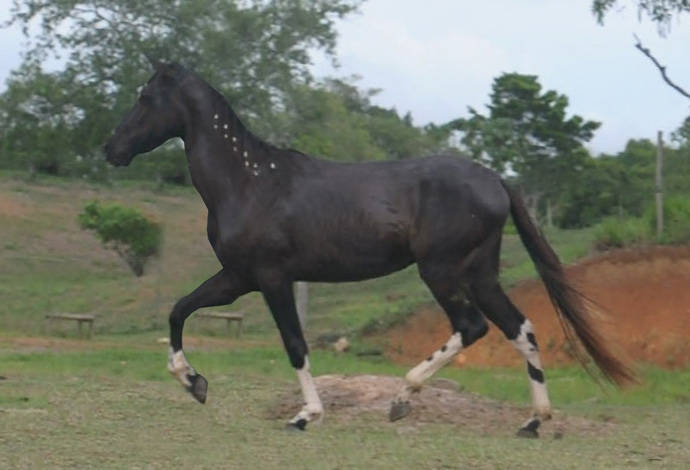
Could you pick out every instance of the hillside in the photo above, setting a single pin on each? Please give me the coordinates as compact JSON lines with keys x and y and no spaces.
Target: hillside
{"x":48,"y":264}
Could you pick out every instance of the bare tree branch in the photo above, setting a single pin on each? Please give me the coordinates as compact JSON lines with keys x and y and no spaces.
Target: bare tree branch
{"x":661,"y":68}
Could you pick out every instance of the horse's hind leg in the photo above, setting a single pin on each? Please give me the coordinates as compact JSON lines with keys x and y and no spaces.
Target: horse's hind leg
{"x":221,"y":289}
{"x":498,"y":308}
{"x":468,"y":324}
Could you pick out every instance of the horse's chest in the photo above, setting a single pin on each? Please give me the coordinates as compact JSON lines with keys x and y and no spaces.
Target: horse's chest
{"x":243,"y":240}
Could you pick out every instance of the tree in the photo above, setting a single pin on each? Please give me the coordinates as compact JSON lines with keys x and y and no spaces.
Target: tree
{"x":659,"y":11}
{"x":528,"y":133}
{"x":336,"y":120}
{"x":254,"y":51}
{"x":134,"y":237}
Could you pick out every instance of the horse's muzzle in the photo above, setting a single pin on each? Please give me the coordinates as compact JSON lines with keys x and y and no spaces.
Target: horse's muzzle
{"x":114,"y":157}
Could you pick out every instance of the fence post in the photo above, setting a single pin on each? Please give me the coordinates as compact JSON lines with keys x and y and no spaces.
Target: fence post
{"x":659,"y":187}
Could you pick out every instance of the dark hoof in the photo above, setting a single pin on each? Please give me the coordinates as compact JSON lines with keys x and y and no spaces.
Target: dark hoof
{"x":529,"y":430}
{"x":198,"y":387}
{"x":299,"y":425}
{"x":399,"y":410}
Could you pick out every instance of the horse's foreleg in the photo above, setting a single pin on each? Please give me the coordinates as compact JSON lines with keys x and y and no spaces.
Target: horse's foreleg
{"x":280,"y":300}
{"x":221,"y":289}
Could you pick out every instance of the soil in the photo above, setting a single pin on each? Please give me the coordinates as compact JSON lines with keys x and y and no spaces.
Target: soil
{"x":346,"y":397}
{"x":643,"y":296}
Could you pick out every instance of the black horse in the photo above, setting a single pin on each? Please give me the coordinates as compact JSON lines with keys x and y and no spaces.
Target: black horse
{"x":277,"y":216}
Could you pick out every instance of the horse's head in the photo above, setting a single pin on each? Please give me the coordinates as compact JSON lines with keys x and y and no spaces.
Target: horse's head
{"x":155,"y":118}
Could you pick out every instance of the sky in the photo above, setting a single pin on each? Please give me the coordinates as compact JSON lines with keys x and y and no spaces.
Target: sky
{"x":435,"y":58}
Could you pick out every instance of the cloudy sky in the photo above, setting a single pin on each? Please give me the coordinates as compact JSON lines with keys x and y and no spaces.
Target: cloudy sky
{"x":435,"y":58}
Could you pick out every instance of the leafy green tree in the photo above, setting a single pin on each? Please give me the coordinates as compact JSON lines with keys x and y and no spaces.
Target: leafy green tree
{"x":598,"y":192}
{"x":337,"y":120}
{"x":254,"y":51}
{"x":659,"y":11}
{"x":527,"y":132}
{"x":134,"y":237}
{"x":322,"y":124}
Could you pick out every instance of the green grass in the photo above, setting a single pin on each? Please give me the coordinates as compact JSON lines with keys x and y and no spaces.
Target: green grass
{"x":110,"y":403}
{"x":118,"y":408}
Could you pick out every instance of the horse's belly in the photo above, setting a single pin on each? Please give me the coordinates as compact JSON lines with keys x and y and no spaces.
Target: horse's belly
{"x":351,"y":259}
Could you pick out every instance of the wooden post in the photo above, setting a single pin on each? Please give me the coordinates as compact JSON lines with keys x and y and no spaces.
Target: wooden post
{"x":302,"y":301}
{"x":659,"y":187}
{"x":549,"y":213}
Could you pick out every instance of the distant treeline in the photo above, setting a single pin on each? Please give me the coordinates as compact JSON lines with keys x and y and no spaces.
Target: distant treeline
{"x":257,"y":53}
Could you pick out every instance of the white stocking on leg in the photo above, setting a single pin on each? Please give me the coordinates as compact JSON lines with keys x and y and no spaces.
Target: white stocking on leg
{"x":312,"y":409}
{"x":416,"y":377}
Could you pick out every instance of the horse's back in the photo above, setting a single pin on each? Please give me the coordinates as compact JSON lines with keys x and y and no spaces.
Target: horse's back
{"x":400,"y":211}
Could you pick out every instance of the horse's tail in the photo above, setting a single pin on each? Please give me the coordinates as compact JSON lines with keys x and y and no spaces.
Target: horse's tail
{"x":569,"y":303}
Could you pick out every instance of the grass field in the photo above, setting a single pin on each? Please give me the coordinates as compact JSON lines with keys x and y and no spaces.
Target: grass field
{"x":50,"y":265}
{"x":109,"y":402}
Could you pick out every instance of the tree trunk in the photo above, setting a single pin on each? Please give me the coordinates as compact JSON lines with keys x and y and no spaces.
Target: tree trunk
{"x":549,"y":213}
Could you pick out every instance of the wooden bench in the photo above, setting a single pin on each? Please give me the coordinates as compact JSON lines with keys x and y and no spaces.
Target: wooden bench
{"x":74,"y":317}
{"x":229,"y":317}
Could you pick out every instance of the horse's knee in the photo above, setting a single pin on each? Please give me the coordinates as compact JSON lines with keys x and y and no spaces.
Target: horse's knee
{"x":297,"y":351}
{"x":177,"y":317}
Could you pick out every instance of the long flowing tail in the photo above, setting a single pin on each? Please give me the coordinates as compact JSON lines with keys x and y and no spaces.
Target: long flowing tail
{"x":570,"y":304}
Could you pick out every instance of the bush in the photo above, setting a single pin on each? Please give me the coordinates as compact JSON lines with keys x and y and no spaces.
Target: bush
{"x":617,"y":232}
{"x":129,"y":233}
{"x":676,"y":219}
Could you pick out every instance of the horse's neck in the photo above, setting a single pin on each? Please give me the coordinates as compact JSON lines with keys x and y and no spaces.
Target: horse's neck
{"x":225,"y":159}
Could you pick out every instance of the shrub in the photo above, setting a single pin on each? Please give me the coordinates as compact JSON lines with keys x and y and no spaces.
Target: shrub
{"x":128,"y":232}
{"x":676,"y":219}
{"x":616,"y":232}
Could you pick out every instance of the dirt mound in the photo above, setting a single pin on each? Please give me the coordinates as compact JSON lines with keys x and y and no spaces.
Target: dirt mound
{"x":346,"y":397}
{"x":644,"y":294}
